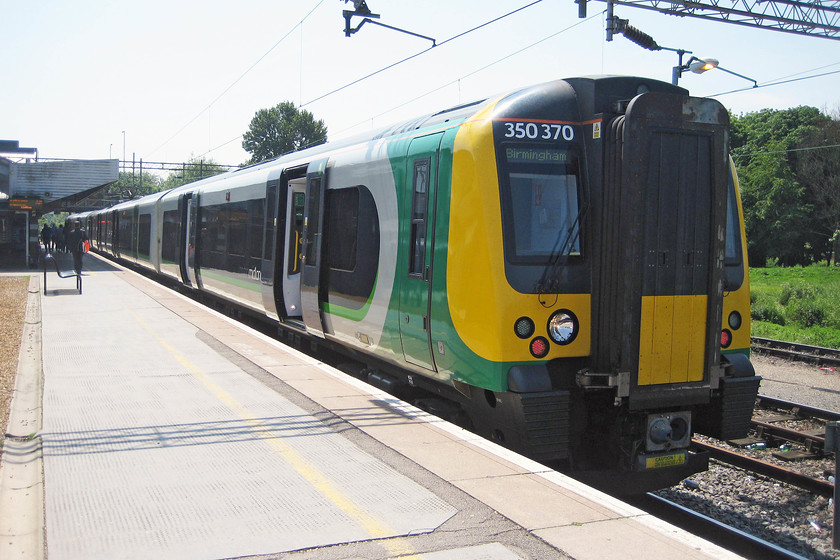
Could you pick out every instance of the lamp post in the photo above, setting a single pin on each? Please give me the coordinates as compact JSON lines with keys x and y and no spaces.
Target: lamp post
{"x":123,"y":132}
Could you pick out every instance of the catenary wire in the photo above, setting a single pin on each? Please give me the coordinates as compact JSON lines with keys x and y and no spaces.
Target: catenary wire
{"x":763,"y":152}
{"x":474,"y":72}
{"x":415,"y":55}
{"x":237,"y":80}
{"x":392,"y":65}
{"x":777,"y":83}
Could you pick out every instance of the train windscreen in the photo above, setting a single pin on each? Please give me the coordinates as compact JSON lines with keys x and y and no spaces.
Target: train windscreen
{"x":540,"y":195}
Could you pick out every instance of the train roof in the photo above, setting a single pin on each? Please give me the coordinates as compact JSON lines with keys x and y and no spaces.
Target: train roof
{"x":600,"y":86}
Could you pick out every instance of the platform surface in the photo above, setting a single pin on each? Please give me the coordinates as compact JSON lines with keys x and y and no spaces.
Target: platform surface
{"x":169,"y":431}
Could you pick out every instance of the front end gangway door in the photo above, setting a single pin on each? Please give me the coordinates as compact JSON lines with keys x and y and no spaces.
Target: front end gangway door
{"x":661,"y":279}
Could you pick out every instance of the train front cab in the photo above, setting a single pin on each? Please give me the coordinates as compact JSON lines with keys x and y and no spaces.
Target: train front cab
{"x":619,"y":325}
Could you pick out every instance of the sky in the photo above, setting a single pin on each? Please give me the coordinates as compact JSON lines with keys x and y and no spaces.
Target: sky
{"x":168,"y":81}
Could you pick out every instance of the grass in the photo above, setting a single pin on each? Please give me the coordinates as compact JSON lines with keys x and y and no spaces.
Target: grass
{"x":797,"y":304}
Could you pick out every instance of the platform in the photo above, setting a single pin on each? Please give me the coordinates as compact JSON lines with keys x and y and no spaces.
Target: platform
{"x":166,"y":430}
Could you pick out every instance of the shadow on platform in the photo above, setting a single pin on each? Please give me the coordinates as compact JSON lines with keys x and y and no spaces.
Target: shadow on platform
{"x":15,"y":263}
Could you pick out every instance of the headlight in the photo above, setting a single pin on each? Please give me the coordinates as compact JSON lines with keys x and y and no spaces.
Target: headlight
{"x":562,"y":326}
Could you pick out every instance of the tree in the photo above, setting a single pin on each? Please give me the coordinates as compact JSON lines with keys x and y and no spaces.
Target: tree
{"x":778,"y":210}
{"x":193,"y":170}
{"x":818,"y":167}
{"x":131,"y":185}
{"x":280,"y":130}
{"x":775,"y":211}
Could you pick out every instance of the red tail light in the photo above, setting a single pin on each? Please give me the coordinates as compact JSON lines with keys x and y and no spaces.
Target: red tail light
{"x":539,"y":347}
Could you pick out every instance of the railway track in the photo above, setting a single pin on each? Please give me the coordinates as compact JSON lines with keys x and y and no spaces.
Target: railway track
{"x":774,"y":471}
{"x":726,"y":536}
{"x":767,"y":507}
{"x":797,"y":409}
{"x":828,"y":357}
{"x":772,"y":438}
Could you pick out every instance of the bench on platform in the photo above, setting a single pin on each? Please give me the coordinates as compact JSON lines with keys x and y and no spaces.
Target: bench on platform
{"x":67,"y":273}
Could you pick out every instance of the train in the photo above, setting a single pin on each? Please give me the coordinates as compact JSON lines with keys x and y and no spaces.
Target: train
{"x":561,"y":268}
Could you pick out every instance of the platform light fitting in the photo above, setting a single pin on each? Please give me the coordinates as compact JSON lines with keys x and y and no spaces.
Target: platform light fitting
{"x":698,"y":66}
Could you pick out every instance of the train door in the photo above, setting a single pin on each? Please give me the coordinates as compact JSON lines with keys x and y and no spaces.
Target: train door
{"x":270,"y":238}
{"x":188,"y":262}
{"x":184,"y":207}
{"x":311,"y":259}
{"x":291,"y":265}
{"x":421,"y":175}
{"x":117,"y":236}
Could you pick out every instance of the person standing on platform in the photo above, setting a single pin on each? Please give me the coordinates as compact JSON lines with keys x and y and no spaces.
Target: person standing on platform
{"x":58,"y":238}
{"x":75,"y":244}
{"x":46,"y":237}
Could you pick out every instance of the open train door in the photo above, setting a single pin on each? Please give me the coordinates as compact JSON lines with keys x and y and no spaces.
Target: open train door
{"x":290,"y":262}
{"x":272,"y":236}
{"x":415,"y":317}
{"x":187,"y":211}
{"x":312,"y":254}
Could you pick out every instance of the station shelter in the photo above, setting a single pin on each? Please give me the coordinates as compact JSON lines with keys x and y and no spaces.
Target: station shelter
{"x":30,"y":188}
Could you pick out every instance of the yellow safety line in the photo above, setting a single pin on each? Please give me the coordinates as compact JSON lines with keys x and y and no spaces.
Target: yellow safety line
{"x":375,"y":527}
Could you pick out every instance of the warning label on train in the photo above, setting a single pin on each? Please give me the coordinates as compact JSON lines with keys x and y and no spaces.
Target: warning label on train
{"x":665,"y":461}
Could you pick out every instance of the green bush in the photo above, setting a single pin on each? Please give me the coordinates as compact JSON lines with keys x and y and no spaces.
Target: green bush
{"x":807,"y":313}
{"x":798,"y":292}
{"x":767,"y":311}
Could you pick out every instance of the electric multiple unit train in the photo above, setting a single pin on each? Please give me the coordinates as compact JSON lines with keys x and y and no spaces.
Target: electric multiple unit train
{"x":562,"y":268}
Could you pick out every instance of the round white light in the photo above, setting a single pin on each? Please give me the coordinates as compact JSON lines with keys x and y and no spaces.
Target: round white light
{"x":562,"y":326}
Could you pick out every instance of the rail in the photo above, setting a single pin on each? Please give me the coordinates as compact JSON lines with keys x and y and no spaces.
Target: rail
{"x":816,"y":485}
{"x":794,"y":351}
{"x":715,"y":531}
{"x":797,"y":409}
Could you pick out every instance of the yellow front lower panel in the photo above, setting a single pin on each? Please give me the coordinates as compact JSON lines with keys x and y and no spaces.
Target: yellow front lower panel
{"x":482,"y":304}
{"x":672,"y":339}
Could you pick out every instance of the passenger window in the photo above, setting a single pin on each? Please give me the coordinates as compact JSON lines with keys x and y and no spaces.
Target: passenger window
{"x":295,"y":232}
{"x":313,"y":226}
{"x":342,"y":231}
{"x":171,"y":237}
{"x":417,"y":258}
